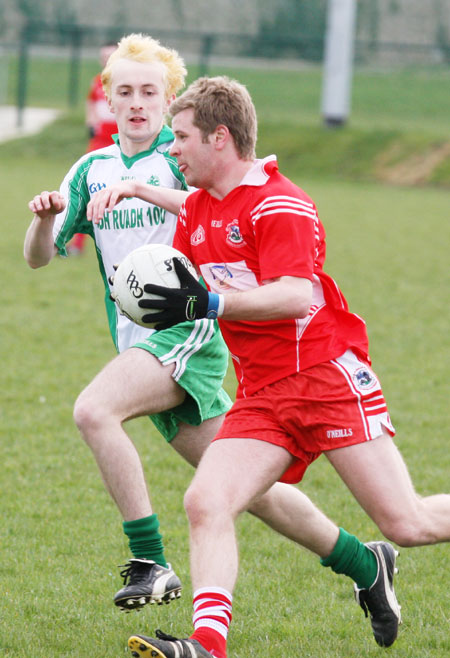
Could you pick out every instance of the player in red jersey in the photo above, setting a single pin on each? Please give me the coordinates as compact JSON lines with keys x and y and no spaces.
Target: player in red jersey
{"x":100,"y":121}
{"x":306,"y":385}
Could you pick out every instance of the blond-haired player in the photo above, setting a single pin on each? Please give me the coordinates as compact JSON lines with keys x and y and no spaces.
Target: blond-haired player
{"x":160,"y":374}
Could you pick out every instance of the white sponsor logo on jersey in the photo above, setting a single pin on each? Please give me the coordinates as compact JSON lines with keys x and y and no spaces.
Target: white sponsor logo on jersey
{"x":198,"y":235}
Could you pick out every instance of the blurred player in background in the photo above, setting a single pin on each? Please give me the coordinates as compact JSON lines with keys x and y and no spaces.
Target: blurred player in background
{"x":175,"y":375}
{"x":305,"y":383}
{"x":101,"y":125}
{"x":100,"y":121}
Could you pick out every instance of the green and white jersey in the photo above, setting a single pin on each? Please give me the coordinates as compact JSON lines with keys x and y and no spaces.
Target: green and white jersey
{"x":131,"y":223}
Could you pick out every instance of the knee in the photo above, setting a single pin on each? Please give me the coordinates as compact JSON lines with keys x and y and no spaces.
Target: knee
{"x":401,"y":533}
{"x":409,"y":531}
{"x":87,"y":413}
{"x":194,"y":505}
{"x":203,"y":505}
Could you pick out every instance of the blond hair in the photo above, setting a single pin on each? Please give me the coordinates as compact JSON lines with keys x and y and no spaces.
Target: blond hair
{"x":221,"y":101}
{"x":143,"y":48}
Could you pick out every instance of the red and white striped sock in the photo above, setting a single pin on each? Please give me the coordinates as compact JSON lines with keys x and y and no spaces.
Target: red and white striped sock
{"x":212,"y":618}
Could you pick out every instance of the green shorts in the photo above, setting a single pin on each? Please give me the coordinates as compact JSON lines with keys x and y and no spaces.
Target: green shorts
{"x":201,"y":359}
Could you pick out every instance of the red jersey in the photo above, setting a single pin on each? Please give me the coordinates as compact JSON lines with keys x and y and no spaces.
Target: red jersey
{"x":265,"y":228}
{"x":106,"y":125}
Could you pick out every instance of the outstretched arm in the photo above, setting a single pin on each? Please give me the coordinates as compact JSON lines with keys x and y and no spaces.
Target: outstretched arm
{"x":280,"y":299}
{"x":105,"y":200}
{"x":39,"y":247}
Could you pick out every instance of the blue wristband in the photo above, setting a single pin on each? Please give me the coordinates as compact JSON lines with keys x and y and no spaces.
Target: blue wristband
{"x":215,"y":305}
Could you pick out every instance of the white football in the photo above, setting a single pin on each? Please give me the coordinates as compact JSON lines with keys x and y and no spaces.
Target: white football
{"x":151,"y":263}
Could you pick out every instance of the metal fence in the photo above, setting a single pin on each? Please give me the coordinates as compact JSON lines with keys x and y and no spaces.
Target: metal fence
{"x":389,"y":34}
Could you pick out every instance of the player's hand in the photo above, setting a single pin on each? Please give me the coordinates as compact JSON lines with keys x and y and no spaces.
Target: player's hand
{"x":111,"y":278}
{"x":47,"y":204}
{"x":189,"y":302}
{"x":106,"y":199}
{"x":111,"y":283}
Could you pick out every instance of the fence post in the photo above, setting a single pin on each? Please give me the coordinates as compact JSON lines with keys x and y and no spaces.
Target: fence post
{"x":205,"y":53}
{"x":22,"y":77}
{"x":74,"y":66}
{"x":338,"y":61}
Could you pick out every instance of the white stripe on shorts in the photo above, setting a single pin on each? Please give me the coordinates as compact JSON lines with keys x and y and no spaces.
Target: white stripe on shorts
{"x":202,"y":332}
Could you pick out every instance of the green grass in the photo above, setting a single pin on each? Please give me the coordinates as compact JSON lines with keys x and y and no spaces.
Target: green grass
{"x":61,"y":535}
{"x":49,"y":80}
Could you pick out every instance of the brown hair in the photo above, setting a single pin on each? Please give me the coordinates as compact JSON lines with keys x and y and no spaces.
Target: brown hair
{"x":221,"y":101}
{"x":142,"y":48}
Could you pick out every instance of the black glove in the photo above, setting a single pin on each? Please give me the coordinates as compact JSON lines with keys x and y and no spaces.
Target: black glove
{"x":111,"y":283}
{"x":189,"y":302}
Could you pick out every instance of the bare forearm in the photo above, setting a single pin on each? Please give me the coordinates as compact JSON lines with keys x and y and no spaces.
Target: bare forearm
{"x":105,"y":200}
{"x":39,"y":247}
{"x":289,"y":297}
{"x":285,"y":298}
{"x":164,"y":197}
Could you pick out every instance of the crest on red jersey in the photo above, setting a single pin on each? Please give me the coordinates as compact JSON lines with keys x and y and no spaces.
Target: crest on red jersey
{"x":234,"y":233}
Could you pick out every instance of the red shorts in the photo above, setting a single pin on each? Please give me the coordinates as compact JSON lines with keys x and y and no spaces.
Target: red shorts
{"x":331,"y":405}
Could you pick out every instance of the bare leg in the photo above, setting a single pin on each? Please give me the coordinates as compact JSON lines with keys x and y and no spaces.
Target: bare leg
{"x":288,"y":511}
{"x":232,"y":474}
{"x":191,"y":441}
{"x":135,"y":384}
{"x":131,"y":385}
{"x":284,"y":508}
{"x":378,"y":478}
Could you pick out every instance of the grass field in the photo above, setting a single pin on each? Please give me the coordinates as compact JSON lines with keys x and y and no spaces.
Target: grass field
{"x":61,"y":535}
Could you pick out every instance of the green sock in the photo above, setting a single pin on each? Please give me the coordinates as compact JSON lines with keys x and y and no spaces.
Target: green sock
{"x":352,"y":558}
{"x":145,"y":540}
